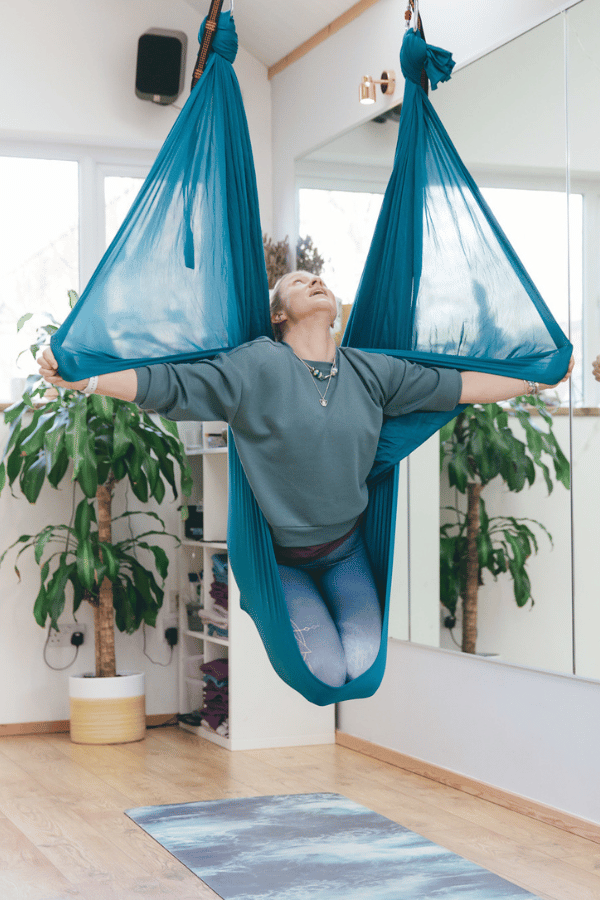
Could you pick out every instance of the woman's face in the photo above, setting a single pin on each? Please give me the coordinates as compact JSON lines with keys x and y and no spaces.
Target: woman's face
{"x":305,"y":295}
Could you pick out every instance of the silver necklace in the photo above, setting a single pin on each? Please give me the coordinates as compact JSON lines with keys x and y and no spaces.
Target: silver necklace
{"x":318,"y":375}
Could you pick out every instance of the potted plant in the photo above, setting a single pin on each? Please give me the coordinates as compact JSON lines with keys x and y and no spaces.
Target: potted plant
{"x":98,"y":442}
{"x":277,"y":258}
{"x":477,"y":447}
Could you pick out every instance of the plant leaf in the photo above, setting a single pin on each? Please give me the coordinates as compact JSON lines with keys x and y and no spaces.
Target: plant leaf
{"x":86,"y":564}
{"x":32,"y":477}
{"x":84,"y":515}
{"x":24,"y":319}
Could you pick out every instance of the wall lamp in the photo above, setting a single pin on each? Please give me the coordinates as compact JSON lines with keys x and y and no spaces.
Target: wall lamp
{"x":367,"y":86}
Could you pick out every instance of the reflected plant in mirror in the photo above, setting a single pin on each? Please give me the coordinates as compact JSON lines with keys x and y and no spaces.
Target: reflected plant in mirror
{"x":477,"y":448}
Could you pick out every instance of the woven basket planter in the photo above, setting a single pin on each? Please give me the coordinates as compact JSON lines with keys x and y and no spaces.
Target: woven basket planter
{"x":107,"y":710}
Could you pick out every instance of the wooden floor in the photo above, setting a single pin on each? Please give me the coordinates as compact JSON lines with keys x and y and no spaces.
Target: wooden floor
{"x":64,"y":836}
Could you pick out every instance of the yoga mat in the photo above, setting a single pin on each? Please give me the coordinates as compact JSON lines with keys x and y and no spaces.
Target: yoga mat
{"x":313,"y":847}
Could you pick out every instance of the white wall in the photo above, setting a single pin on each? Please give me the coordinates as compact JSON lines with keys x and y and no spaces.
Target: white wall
{"x":524,"y":731}
{"x":32,"y":692}
{"x":71,"y":71}
{"x":323,"y":85}
{"x":527,"y":732}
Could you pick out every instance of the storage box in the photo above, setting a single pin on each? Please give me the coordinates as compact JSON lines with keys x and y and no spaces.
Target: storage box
{"x":194,"y":524}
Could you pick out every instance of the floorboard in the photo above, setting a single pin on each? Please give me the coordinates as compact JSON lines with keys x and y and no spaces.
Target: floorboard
{"x":64,"y":835}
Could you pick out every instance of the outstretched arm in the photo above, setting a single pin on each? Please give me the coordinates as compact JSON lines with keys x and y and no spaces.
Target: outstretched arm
{"x":480,"y":387}
{"x":122,"y":385}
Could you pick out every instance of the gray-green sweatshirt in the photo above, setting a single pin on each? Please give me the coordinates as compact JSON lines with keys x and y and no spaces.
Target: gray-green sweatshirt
{"x":307,"y":464}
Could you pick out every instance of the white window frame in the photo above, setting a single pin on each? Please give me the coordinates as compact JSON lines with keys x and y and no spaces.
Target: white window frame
{"x":321,"y":175}
{"x":95,"y":163}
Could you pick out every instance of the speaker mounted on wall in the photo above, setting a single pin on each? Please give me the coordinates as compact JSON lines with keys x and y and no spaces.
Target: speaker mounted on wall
{"x":160,"y":68}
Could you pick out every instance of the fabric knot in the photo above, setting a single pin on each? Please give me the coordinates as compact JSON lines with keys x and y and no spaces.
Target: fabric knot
{"x":416,"y":54}
{"x":225,"y":41}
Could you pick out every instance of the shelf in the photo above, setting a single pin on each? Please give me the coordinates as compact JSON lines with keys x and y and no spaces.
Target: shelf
{"x":206,"y":733}
{"x":289,"y":721}
{"x":205,"y":451}
{"x":218,"y":545}
{"x":201,"y":636}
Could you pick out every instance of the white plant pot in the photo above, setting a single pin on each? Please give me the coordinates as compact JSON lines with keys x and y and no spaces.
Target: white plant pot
{"x":107,"y":710}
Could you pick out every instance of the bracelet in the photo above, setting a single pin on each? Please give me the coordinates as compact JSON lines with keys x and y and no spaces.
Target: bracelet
{"x":533,"y":388}
{"x":90,"y":386}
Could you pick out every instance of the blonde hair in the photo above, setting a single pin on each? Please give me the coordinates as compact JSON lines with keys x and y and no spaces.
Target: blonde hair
{"x":277,"y":304}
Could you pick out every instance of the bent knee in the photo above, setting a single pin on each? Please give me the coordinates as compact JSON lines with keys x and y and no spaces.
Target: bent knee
{"x":360,"y":656}
{"x":330,"y":668}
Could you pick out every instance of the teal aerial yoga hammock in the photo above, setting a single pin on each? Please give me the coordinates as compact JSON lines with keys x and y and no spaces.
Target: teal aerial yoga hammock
{"x":185,"y":279}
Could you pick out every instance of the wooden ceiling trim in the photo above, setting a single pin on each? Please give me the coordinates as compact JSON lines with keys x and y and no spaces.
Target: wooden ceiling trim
{"x":294,"y":55}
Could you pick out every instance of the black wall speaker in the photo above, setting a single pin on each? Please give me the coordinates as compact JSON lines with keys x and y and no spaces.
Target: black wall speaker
{"x":160,"y":69}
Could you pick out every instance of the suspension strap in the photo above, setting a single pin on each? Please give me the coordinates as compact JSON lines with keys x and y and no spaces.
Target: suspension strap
{"x":410,"y":10}
{"x":207,"y":39}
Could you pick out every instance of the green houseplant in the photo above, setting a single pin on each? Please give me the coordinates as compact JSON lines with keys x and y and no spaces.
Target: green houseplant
{"x":98,"y":442}
{"x":277,"y":258}
{"x":477,"y":447}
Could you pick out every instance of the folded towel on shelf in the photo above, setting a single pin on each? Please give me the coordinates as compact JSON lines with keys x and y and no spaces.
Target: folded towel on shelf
{"x":216,"y":632}
{"x":219,"y":593}
{"x":221,"y":727}
{"x":216,"y":616}
{"x":220,"y":567}
{"x":210,"y":679}
{"x":219,"y":668}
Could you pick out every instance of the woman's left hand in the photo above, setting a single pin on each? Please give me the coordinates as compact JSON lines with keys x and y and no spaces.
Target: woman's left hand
{"x":544,"y":387}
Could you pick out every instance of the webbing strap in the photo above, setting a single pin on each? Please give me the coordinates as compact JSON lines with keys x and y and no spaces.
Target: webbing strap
{"x":410,"y":10}
{"x":207,"y":38}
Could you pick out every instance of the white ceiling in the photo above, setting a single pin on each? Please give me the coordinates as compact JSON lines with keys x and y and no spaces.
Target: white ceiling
{"x":269,"y":29}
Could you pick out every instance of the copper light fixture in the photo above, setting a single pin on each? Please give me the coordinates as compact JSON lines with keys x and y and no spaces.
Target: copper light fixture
{"x":367,"y":86}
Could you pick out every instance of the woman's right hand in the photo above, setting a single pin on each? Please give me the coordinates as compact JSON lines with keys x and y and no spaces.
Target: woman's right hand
{"x":596,"y":368}
{"x":49,"y":372}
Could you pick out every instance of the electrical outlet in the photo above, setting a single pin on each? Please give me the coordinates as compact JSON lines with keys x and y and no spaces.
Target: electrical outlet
{"x":169,"y":622}
{"x":62,"y":638}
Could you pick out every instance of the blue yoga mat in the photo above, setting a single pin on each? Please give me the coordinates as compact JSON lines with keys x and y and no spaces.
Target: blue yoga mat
{"x":313,"y":847}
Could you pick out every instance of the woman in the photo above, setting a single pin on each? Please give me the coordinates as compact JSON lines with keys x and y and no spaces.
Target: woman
{"x":306,"y":418}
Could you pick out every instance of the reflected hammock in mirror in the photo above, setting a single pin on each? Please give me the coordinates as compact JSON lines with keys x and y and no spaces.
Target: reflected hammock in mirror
{"x":184,"y":279}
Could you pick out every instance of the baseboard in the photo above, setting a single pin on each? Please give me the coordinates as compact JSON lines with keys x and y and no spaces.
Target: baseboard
{"x":526,"y":807}
{"x":153,"y":721}
{"x":33,"y":728}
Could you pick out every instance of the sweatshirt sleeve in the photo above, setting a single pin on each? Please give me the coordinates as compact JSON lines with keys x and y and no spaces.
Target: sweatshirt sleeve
{"x":413,"y":387}
{"x":204,"y":391}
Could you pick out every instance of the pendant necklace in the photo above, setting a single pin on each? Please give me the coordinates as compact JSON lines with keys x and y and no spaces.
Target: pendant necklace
{"x":319,"y":376}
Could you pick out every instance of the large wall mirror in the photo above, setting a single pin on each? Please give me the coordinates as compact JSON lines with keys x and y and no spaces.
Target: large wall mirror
{"x":524,"y":120}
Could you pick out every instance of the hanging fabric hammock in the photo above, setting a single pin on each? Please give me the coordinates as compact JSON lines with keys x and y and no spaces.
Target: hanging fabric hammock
{"x":185,"y":278}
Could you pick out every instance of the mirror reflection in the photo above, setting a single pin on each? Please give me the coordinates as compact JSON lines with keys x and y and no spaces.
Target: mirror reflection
{"x":583,"y":90}
{"x":506,"y":114}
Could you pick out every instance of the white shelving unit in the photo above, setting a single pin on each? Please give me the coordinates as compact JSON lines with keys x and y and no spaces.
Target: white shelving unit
{"x":263,"y":710}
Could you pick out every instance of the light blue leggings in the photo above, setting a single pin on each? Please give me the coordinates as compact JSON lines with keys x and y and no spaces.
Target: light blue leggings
{"x":335,"y":611}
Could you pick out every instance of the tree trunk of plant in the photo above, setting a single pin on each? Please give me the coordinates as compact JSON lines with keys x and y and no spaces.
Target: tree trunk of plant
{"x":469,"y":624}
{"x":104,"y":620}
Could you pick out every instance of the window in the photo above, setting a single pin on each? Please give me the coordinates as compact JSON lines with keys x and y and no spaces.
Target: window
{"x":119,"y":193}
{"x":341,"y":225}
{"x":39,"y":253}
{"x":535,"y":222}
{"x":60,"y":215}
